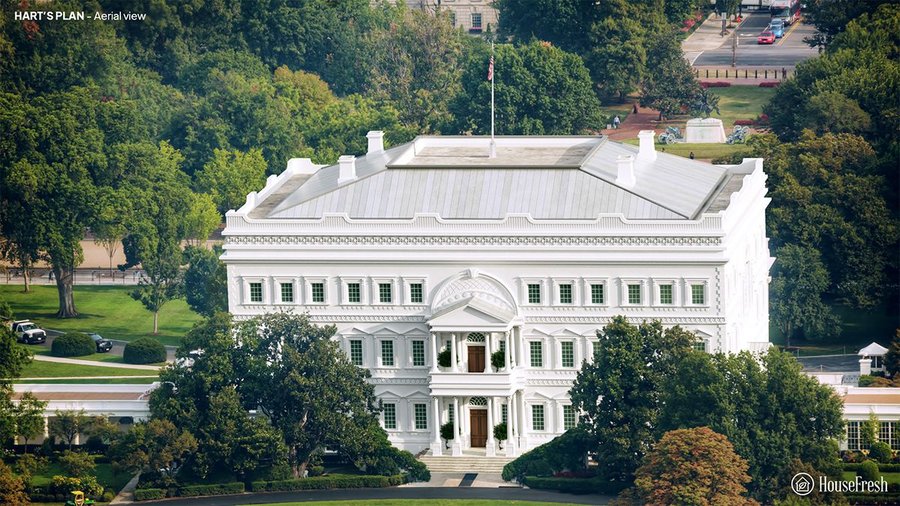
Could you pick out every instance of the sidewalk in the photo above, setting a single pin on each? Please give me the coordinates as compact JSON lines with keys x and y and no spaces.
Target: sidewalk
{"x":92,"y":363}
{"x":645,"y":119}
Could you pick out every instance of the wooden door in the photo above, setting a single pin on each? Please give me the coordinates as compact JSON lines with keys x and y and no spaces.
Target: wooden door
{"x":478,"y":423}
{"x":476,"y":358}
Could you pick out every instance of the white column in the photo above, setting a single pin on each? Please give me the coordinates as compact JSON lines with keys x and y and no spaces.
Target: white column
{"x":437,"y":447}
{"x":508,"y":351}
{"x":456,"y":446}
{"x":487,"y":353}
{"x":491,"y":450}
{"x":453,"y":353}
{"x":434,"y":353}
{"x":520,"y":346}
{"x":520,"y":411}
{"x":510,"y":421}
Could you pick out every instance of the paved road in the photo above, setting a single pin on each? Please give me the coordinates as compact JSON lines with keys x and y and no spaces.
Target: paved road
{"x":786,"y":52}
{"x":423,"y":494}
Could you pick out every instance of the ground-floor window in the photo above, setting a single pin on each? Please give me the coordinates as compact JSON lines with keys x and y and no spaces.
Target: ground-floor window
{"x":421,"y":414}
{"x":418,"y":353}
{"x":390,"y":416}
{"x":356,"y":352}
{"x":569,"y":418}
{"x":537,"y":417}
{"x":853,"y":439}
{"x":888,"y":432}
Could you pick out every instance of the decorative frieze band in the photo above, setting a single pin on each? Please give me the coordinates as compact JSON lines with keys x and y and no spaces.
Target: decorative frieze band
{"x":666,"y":320}
{"x":412,"y":240}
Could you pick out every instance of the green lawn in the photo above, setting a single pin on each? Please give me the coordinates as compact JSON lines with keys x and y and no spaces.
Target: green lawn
{"x":93,"y":381}
{"x":424,"y":502}
{"x":741,"y":102}
{"x":107,"y":310}
{"x":888,"y":477}
{"x":38,"y":369}
{"x":104,"y":473}
{"x":107,"y":358}
{"x":858,"y":328}
{"x":704,"y":151}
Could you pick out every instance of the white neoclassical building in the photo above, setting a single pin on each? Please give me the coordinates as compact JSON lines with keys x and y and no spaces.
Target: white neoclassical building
{"x":437,"y":245}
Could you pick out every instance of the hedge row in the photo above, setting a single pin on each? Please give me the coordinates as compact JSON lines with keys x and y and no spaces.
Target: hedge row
{"x":884,"y":468}
{"x":575,"y":485}
{"x":715,"y":84}
{"x":872,"y":498}
{"x":213,"y":489}
{"x":769,"y":84}
{"x":149,"y":494}
{"x":328,"y":482}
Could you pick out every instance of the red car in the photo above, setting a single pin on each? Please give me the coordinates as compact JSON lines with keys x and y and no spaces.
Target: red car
{"x":766,"y":38}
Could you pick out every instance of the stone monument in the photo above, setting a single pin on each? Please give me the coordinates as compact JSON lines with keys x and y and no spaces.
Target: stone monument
{"x":704,"y":130}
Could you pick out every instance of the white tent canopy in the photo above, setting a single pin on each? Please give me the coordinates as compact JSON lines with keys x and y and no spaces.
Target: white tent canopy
{"x":873,"y":350}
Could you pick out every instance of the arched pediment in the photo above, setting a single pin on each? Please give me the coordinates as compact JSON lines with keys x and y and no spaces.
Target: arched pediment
{"x":471,"y":284}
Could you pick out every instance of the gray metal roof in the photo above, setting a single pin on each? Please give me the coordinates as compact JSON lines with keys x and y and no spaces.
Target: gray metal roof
{"x":545,"y":177}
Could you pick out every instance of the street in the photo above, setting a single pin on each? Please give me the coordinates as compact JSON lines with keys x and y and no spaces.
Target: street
{"x":785,"y":52}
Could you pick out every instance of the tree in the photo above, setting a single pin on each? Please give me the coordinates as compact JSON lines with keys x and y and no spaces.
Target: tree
{"x":230,"y":175}
{"x":205,"y":280}
{"x":831,"y":18}
{"x":693,"y":466}
{"x":12,"y":488}
{"x":892,"y":357}
{"x":77,"y":464}
{"x":201,"y":220}
{"x":834,"y":112}
{"x":798,"y":283}
{"x":67,"y":425}
{"x":29,"y":417}
{"x":109,"y":227}
{"x":669,"y":85}
{"x":868,"y":431}
{"x":13,"y":359}
{"x":618,"y":394}
{"x":154,"y":446}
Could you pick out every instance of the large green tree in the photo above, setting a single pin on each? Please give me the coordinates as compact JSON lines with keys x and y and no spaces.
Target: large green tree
{"x":29,"y":417}
{"x":798,"y":283}
{"x":669,"y":85}
{"x":230,"y":175}
{"x":618,"y":393}
{"x":205,"y":280}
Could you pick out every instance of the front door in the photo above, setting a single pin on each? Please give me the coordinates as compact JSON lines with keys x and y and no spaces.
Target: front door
{"x":476,"y":358}
{"x":478,"y":419}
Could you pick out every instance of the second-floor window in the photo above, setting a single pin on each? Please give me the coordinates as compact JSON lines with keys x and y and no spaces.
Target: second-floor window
{"x":597,"y":294}
{"x":356,"y":352}
{"x":318,"y":292}
{"x":476,"y":21}
{"x":418,"y":353}
{"x":536,"y":353}
{"x":665,"y":294}
{"x":698,"y":295}
{"x":387,"y":353}
{"x":634,"y":294}
{"x":390,"y":416}
{"x":534,"y":293}
{"x":569,"y":418}
{"x":353,"y":293}
{"x":384,"y":293}
{"x":567,"y":349}
{"x":287,"y":292}
{"x":255,"y":292}
{"x":415,"y":293}
{"x":565,"y":294}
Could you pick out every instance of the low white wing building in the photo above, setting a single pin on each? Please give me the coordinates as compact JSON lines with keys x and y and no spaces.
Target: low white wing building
{"x":434,"y":245}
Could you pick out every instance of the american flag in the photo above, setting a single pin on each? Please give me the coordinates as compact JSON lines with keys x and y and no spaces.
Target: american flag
{"x":491,"y":69}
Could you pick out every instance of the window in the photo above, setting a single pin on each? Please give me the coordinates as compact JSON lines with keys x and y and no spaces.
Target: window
{"x":853,"y":439}
{"x":476,"y":21}
{"x":698,"y":295}
{"x":353,"y":293}
{"x":565,"y":294}
{"x":569,"y":418}
{"x":597,"y":294}
{"x":415,"y":293}
{"x":318,"y":292}
{"x":418,"y":353}
{"x":537,"y":417}
{"x":634,"y":294}
{"x":537,"y":353}
{"x":665,"y":294}
{"x":504,"y":409}
{"x":450,"y":413}
{"x":390,"y":416}
{"x":387,"y":353}
{"x":356,"y":353}
{"x":887,"y":432}
{"x":700,"y":345}
{"x":384,"y":293}
{"x":595,"y":348}
{"x":534,"y":293}
{"x":421,"y":411}
{"x":287,"y":292}
{"x":568,"y":354}
{"x":255,"y":292}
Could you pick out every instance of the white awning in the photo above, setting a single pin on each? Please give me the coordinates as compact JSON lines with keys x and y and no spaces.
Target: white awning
{"x":873,"y":350}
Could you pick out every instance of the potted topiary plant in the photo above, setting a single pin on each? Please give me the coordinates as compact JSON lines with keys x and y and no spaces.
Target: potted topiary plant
{"x":500,"y":433}
{"x":444,"y":357}
{"x":498,"y":359}
{"x":447,"y":433}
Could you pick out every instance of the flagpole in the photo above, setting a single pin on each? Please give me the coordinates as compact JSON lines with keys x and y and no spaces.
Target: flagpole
{"x":493,"y":145}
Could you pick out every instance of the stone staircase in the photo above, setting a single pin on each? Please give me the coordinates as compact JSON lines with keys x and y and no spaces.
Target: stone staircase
{"x":465,"y":463}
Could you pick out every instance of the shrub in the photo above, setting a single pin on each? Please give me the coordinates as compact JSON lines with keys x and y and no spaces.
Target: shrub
{"x":498,"y":359}
{"x":108,"y":496}
{"x":73,"y":344}
{"x":29,"y":465}
{"x":149,"y":494}
{"x":328,"y":482}
{"x":769,"y":84}
{"x":212,"y":489}
{"x":575,"y":485}
{"x":65,"y":485}
{"x":144,"y":351}
{"x":715,"y":84}
{"x":868,"y":471}
{"x":389,"y":460}
{"x":881,"y":452}
{"x":77,"y":463}
{"x":500,"y":431}
{"x":565,"y":453}
{"x":316,"y":470}
{"x":447,"y":431}
{"x":444,"y":357}
{"x":743,"y":122}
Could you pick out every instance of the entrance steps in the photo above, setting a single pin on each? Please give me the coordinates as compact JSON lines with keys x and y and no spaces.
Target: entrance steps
{"x":465,"y":463}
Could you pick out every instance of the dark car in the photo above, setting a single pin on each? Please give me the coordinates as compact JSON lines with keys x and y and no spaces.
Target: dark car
{"x":103,"y":345}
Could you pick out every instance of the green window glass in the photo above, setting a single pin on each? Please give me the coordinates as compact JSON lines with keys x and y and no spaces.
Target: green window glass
{"x":537,"y":417}
{"x":595,"y":347}
{"x":665,"y":294}
{"x":387,"y":353}
{"x":698,"y":294}
{"x":568,"y":354}
{"x":415,"y":293}
{"x":597,"y":294}
{"x":504,"y":409}
{"x":255,"y":292}
{"x":390,"y":416}
{"x":353,"y":293}
{"x":569,"y":418}
{"x":287,"y":292}
{"x":534,"y":294}
{"x":356,"y":352}
{"x":421,"y":411}
{"x":384,"y":293}
{"x":537,"y":353}
{"x":634,"y":294}
{"x":318,"y":292}
{"x":450,"y":413}
{"x":418,"y":353}
{"x":700,"y":345}
{"x":565,"y":294}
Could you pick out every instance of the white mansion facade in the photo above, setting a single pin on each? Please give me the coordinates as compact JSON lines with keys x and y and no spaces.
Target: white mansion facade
{"x":437,"y":245}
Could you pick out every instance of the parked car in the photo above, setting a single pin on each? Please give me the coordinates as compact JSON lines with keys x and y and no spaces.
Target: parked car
{"x":777,"y":27}
{"x":766,"y":38}
{"x":103,"y":345}
{"x":27,"y":332}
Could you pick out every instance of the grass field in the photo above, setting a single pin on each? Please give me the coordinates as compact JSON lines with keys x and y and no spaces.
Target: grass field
{"x":423,"y":502}
{"x":38,"y":369}
{"x":104,"y":473}
{"x":740,"y":102}
{"x":107,"y":310}
{"x":705,"y":151}
{"x":888,"y":477}
{"x":93,"y":381}
{"x":858,"y":328}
